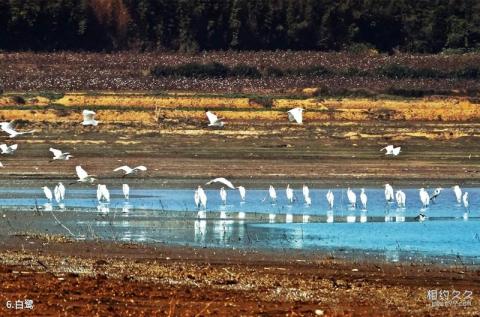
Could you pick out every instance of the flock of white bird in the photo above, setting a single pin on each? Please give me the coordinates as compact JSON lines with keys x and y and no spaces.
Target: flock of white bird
{"x":200,"y":197}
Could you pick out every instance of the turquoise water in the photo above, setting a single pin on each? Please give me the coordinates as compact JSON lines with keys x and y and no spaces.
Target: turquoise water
{"x":170,"y":216}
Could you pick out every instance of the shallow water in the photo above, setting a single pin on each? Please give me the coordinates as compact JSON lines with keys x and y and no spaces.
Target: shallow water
{"x":169,"y":216}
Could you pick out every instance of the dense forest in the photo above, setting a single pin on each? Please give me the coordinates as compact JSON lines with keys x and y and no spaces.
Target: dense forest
{"x":425,"y":26}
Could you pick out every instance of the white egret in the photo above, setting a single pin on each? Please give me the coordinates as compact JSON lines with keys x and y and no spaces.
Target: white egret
{"x":196,"y":198}
{"x":272,"y":193}
{"x":202,"y":196}
{"x":363,"y":198}
{"x":391,"y":150}
{"x":295,"y":114}
{"x":400,"y":197}
{"x":89,"y":118}
{"x":103,"y":193}
{"x":330,"y":199}
{"x":242,"y":191}
{"x":83,"y":176}
{"x":308,"y":200}
{"x":59,"y":155}
{"x":222,"y":180}
{"x":126,"y":191}
{"x":213,"y":120}
{"x":223,"y":195}
{"x":289,"y":193}
{"x":8,"y":149}
{"x":1,"y":165}
{"x":59,"y":192}
{"x":465,"y":200}
{"x":48,"y":193}
{"x":352,"y":197}
{"x":389,"y":193}
{"x":424,"y":197}
{"x":8,"y":127}
{"x":435,"y":194}
{"x":128,"y":170}
{"x":458,"y":193}
{"x":305,"y":191}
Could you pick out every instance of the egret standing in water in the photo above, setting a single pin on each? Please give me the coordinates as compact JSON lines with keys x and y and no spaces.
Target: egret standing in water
{"x":48,"y":193}
{"x":196,"y":198}
{"x":242,"y":191}
{"x":202,"y":196}
{"x":126,"y":191}
{"x":330,"y":199}
{"x":306,"y":195}
{"x":102,"y":193}
{"x":388,"y":193}
{"x":435,"y":194}
{"x":352,"y":197}
{"x":223,"y":195}
{"x":273,"y":194}
{"x":363,"y":199}
{"x":465,"y":200}
{"x":458,"y":193}
{"x":424,"y":197}
{"x":400,"y":197}
{"x":289,"y":193}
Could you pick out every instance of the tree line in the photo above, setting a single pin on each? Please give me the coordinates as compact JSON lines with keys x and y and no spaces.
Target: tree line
{"x":424,"y":26}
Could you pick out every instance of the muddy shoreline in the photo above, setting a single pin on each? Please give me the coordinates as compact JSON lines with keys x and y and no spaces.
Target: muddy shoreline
{"x":87,"y":278}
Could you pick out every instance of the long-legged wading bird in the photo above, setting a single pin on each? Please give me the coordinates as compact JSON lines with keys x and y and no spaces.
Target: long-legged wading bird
{"x":308,"y":200}
{"x":59,"y":192}
{"x":102,"y":193}
{"x":48,"y":193}
{"x":222,"y":180}
{"x":8,"y":149}
{"x":126,"y":191}
{"x":352,"y":197}
{"x":213,"y":120}
{"x":363,"y":198}
{"x":242,"y":191}
{"x":289,"y":193}
{"x":8,"y":127}
{"x":196,"y":198}
{"x":202,"y":196}
{"x":436,"y":193}
{"x":127,"y":170}
{"x":295,"y":114}
{"x":458,"y":193}
{"x":305,"y":191}
{"x":465,"y":200}
{"x":83,"y":176}
{"x":401,"y":198}
{"x":388,"y":193}
{"x":89,"y":118}
{"x":59,"y":155}
{"x":223,"y":195}
{"x":424,"y":197}
{"x":330,"y":199}
{"x":272,"y":193}
{"x":391,"y":150}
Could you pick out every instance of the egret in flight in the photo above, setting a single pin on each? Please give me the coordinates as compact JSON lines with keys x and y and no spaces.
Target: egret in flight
{"x":388,"y":193}
{"x":223,"y":195}
{"x":102,"y":193}
{"x":8,"y":149}
{"x":213,"y":120}
{"x":83,"y":176}
{"x":400,"y":197}
{"x":8,"y":127}
{"x":424,"y":197}
{"x":126,"y":191}
{"x":242,"y":191}
{"x":391,"y":150}
{"x":128,"y":170}
{"x":458,"y":193}
{"x":435,"y":194}
{"x":295,"y":114}
{"x":222,"y":180}
{"x":330,"y":199}
{"x":48,"y":193}
{"x":363,"y":199}
{"x":89,"y":118}
{"x":352,"y":197}
{"x":59,"y":155}
{"x":289,"y":193}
